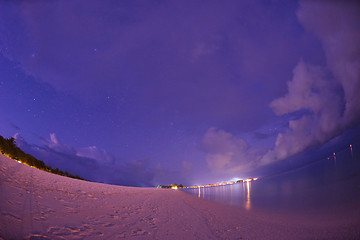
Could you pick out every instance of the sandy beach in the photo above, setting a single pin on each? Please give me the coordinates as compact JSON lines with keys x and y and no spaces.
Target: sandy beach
{"x":39,"y":205}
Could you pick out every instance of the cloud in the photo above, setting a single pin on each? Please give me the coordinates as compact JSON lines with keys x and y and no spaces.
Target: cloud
{"x":92,"y":152}
{"x":325,"y":99}
{"x":328,"y":96}
{"x":338,"y":28}
{"x":61,"y":156}
{"x":311,"y":92}
{"x":96,"y":153}
{"x":54,"y":144}
{"x":226,"y":153}
{"x":20,"y":141}
{"x":92,"y":163}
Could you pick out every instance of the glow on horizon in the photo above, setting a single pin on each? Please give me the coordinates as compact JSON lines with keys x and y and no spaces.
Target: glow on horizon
{"x":235,"y":179}
{"x":224,"y":183}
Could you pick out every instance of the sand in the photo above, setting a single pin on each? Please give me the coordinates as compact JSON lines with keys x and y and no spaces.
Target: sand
{"x":38,"y":205}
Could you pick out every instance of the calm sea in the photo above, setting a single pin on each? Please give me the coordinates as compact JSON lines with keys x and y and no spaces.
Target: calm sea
{"x":326,"y":183}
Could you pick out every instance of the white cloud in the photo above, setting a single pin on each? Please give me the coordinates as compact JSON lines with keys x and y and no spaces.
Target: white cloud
{"x":329,"y":96}
{"x":93,"y":152}
{"x":326,"y":97}
{"x":54,"y":144}
{"x":337,"y":25}
{"x":226,"y":152}
{"x":92,"y":163}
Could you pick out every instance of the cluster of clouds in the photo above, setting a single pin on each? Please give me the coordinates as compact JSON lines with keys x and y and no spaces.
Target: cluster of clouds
{"x":326,"y":97}
{"x":329,"y":94}
{"x":226,"y":153}
{"x":91,"y":163}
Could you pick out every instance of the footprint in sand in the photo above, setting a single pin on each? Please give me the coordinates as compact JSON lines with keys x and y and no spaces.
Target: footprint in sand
{"x":114,"y":216}
{"x":69,"y":230}
{"x":133,"y":233}
{"x":11,"y":216}
{"x":150,"y":220}
{"x":48,"y":211}
{"x":109,"y":225}
{"x":58,"y":231}
{"x":41,"y":218}
{"x":36,"y":237}
{"x":122,"y":235}
{"x":139,"y":232}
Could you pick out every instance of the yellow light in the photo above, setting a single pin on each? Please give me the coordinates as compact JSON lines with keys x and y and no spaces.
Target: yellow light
{"x":248,"y":200}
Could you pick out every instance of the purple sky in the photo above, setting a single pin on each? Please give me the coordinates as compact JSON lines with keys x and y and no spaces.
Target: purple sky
{"x":155,"y":92}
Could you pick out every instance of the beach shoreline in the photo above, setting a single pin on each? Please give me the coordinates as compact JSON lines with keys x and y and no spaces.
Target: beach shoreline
{"x":38,"y":205}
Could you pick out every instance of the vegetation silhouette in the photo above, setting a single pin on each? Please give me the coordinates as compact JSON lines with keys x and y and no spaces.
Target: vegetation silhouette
{"x":8,"y":148}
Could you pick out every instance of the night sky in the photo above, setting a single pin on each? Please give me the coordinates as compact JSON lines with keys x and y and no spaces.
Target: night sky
{"x":142,"y":93}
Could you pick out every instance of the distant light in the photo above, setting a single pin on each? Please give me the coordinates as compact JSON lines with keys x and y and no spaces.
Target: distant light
{"x":18,"y":161}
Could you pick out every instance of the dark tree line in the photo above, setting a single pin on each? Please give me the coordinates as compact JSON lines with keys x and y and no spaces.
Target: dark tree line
{"x":8,"y":147}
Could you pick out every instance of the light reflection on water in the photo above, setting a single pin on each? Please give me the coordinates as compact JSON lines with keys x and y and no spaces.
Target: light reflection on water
{"x":248,"y":202}
{"x":326,"y":183}
{"x":235,"y":194}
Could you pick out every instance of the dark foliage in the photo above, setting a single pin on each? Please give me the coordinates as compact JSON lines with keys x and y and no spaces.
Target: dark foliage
{"x":8,"y":147}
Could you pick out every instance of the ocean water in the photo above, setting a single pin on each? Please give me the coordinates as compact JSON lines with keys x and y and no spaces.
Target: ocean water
{"x":330,"y":184}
